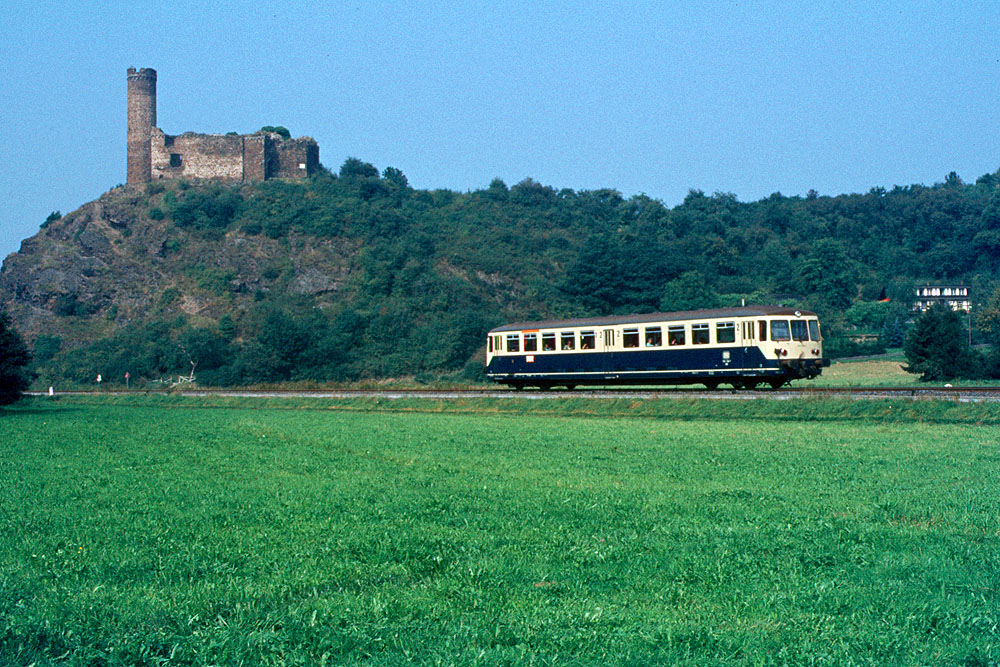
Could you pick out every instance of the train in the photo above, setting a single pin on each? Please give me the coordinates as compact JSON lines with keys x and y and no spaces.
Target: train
{"x":744,"y":346}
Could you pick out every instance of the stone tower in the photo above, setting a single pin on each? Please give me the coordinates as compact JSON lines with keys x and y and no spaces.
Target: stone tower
{"x":141,"y":121}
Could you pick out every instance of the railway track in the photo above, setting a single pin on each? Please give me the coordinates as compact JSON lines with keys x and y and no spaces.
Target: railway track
{"x":959,"y":394}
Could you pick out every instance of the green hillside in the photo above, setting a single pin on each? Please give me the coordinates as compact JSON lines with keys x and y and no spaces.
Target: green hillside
{"x":356,"y":275}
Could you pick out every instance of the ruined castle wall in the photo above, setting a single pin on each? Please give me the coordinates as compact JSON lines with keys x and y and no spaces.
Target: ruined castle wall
{"x":189,"y":155}
{"x":294,"y":158}
{"x":254,"y":157}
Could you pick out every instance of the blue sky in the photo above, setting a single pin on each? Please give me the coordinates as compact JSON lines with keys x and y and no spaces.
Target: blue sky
{"x":657,"y":98}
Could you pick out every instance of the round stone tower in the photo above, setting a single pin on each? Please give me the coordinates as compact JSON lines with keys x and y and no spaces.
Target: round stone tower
{"x":141,"y":121}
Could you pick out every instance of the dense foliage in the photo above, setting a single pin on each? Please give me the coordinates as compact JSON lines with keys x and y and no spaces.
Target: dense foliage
{"x":938,"y":347}
{"x":429,"y":272}
{"x":15,"y":375}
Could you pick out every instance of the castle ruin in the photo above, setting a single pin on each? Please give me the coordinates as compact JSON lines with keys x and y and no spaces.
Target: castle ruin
{"x":152,"y":154}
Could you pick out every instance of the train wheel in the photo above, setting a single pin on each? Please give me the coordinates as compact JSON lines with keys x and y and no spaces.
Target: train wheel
{"x":570,"y":387}
{"x":751,"y":385}
{"x":777,"y":384}
{"x":712,"y":385}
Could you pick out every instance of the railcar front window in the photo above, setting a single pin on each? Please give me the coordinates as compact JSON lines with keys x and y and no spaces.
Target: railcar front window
{"x":568,"y":340}
{"x":630,"y":338}
{"x":530,"y":342}
{"x":814,"y":330}
{"x":654,"y":337}
{"x":548,"y":342}
{"x":588,"y":340}
{"x":725,"y":332}
{"x":675,"y":335}
{"x":800,"y":330}
{"x":513,"y":343}
{"x":779,"y":330}
{"x":700,"y":334}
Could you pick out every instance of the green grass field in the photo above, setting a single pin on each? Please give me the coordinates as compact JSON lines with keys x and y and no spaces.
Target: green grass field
{"x":169,"y":531}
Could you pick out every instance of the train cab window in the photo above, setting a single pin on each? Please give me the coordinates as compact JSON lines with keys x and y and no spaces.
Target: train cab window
{"x":568,"y":340}
{"x":530,"y":342}
{"x":814,"y":330}
{"x":490,"y":341}
{"x":800,"y":330}
{"x":700,"y":334}
{"x":675,"y":335}
{"x":588,"y":340}
{"x":513,"y":343}
{"x":630,"y":338}
{"x":762,"y":330}
{"x":725,"y":332}
{"x":654,"y":337}
{"x":548,"y":342}
{"x":779,"y":330}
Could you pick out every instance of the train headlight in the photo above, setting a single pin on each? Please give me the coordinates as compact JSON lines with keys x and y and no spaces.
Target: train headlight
{"x":779,"y":352}
{"x":816,"y":351}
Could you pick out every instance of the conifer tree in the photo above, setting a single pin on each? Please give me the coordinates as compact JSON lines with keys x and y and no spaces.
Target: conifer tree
{"x":14,"y":360}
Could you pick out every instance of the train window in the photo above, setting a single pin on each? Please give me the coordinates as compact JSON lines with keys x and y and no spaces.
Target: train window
{"x":725,"y":332}
{"x":800,"y":330}
{"x":700,"y":334}
{"x":675,"y":335}
{"x":654,"y":337}
{"x":779,"y":330}
{"x":814,"y":330}
{"x":513,"y":343}
{"x":630,"y":338}
{"x":588,"y":341}
{"x":762,"y":330}
{"x":568,"y":340}
{"x":530,"y":342}
{"x":490,"y":343}
{"x":548,"y":342}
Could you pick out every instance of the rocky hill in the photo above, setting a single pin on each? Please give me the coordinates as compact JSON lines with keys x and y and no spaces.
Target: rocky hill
{"x":353,"y":275}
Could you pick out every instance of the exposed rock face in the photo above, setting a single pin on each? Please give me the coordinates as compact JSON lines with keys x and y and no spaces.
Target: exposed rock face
{"x":107,"y":264}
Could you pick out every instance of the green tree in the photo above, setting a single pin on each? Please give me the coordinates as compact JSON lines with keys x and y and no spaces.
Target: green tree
{"x":355,"y":168}
{"x":688,"y":291}
{"x":15,"y":375}
{"x":938,"y":347}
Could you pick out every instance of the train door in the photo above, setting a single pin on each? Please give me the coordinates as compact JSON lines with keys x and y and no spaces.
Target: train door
{"x":609,"y":347}
{"x":749,"y":341}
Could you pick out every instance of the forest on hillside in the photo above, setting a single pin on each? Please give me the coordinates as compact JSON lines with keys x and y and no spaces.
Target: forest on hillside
{"x":429,"y":272}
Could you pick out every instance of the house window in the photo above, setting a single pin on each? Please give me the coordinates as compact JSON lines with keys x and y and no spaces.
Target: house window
{"x":175,"y":159}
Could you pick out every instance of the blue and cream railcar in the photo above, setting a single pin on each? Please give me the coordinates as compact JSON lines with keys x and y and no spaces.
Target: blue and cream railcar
{"x":744,"y":347}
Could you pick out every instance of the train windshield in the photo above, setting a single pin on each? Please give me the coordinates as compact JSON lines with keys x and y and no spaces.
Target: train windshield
{"x":814,"y":329}
{"x":779,"y":330}
{"x":800,"y":330}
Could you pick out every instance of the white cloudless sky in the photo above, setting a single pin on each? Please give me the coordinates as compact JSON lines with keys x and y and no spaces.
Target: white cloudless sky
{"x":657,"y":98}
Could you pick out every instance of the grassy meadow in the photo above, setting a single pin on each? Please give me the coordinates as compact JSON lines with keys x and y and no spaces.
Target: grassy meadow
{"x":161,"y":530}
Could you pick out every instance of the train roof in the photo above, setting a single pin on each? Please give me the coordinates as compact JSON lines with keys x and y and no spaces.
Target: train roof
{"x":682,"y":316}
